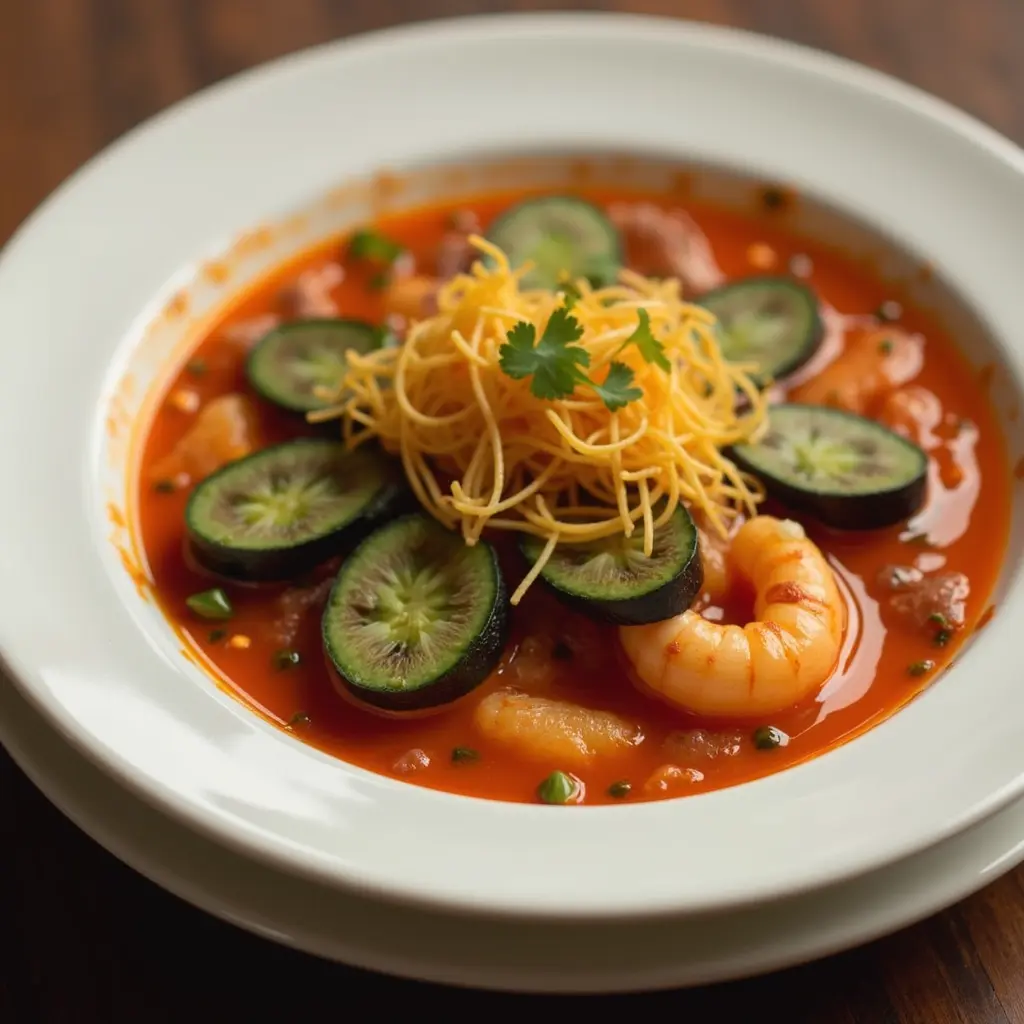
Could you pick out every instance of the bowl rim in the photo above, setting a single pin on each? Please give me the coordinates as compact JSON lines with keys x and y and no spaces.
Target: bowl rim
{"x":42,"y":677}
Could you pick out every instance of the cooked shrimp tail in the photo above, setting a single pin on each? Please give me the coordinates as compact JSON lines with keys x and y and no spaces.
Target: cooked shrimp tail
{"x":772,"y":663}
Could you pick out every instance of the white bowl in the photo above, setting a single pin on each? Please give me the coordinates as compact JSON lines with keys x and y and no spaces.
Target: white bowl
{"x":89,"y":313}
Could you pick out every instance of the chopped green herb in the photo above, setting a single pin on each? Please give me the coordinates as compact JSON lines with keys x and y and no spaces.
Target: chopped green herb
{"x":371,"y":245}
{"x":299,"y":718}
{"x":943,"y":636}
{"x":921,"y":539}
{"x":286,"y":659}
{"x":558,"y":788}
{"x":211,"y":604}
{"x":553,"y":362}
{"x":617,"y":390}
{"x":379,"y":281}
{"x":767,"y":737}
{"x":885,"y":346}
{"x":888,"y":312}
{"x":620,"y":789}
{"x":920,"y":668}
{"x":465,"y":755}
{"x":561,"y":651}
{"x":216,"y":635}
{"x":938,"y":619}
{"x":164,"y":487}
{"x":650,"y":348}
{"x":197,"y":367}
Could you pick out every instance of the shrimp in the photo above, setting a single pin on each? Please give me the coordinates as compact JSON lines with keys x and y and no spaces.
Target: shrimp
{"x":311,"y":293}
{"x":914,"y":412}
{"x":762,"y":667}
{"x":224,"y":430}
{"x":871,"y":366}
{"x":553,"y":730}
{"x":718,"y":570}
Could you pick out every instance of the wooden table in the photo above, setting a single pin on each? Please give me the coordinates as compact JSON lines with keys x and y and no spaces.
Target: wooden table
{"x":91,"y":940}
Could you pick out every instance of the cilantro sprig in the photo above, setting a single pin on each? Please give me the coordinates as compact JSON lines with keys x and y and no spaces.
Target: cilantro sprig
{"x":556,"y":364}
{"x":650,"y":348}
{"x":617,"y":389}
{"x":554,"y":361}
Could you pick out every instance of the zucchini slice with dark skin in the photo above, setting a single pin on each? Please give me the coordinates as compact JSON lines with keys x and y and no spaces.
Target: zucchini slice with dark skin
{"x":773,"y":322}
{"x":280,"y":512}
{"x":416,"y":618}
{"x":612,"y":580}
{"x":563,"y":237}
{"x":290,"y":362}
{"x":846,"y":471}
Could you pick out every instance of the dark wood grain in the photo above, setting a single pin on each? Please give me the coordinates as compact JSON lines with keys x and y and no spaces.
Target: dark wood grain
{"x":91,"y":940}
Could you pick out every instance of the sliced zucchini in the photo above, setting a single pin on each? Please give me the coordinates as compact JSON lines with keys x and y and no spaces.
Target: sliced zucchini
{"x":771,"y":321}
{"x":416,"y":618}
{"x":290,"y":362}
{"x":846,"y":471}
{"x":562,"y":236}
{"x":278,"y":513}
{"x":612,"y":580}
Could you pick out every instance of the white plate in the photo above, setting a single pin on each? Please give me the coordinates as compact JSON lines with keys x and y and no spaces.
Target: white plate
{"x":501,"y":954}
{"x":85,"y":277}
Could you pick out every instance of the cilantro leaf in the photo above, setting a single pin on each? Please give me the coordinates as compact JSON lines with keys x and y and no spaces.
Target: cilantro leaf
{"x":617,"y":389}
{"x":553,"y":362}
{"x":650,"y":348}
{"x":373,"y":246}
{"x":517,"y":355}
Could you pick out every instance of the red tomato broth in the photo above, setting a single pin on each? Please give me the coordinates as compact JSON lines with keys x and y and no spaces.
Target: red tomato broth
{"x":871,"y":682}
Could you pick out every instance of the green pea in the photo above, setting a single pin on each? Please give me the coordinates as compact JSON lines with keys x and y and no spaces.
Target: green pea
{"x":211,"y":604}
{"x":558,"y":788}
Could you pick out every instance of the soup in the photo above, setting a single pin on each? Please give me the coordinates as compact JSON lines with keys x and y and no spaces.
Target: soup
{"x":574,"y":499}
